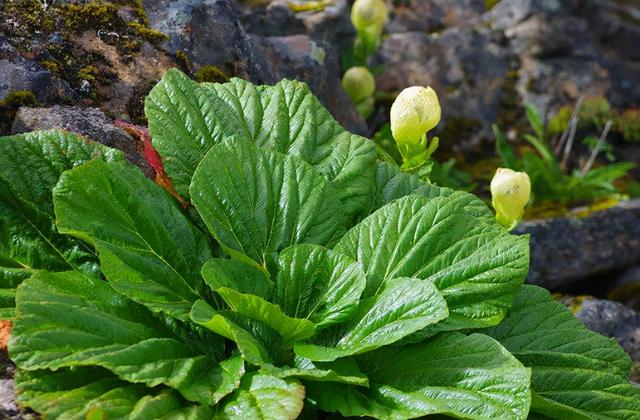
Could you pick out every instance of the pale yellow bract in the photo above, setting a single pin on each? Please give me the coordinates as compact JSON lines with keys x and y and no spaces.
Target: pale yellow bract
{"x":415,"y":111}
{"x":510,"y":191}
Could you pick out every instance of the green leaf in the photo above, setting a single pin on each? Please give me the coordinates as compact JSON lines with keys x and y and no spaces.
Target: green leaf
{"x":237,"y":275}
{"x":30,"y":166}
{"x":454,"y":374}
{"x":542,"y":148}
{"x":167,"y":405}
{"x":392,"y":183}
{"x":186,"y":119}
{"x":451,"y":241}
{"x":86,"y":323}
{"x":504,"y":150}
{"x":257,"y":202}
{"x":405,"y":306}
{"x":533,"y":115}
{"x":343,"y":370}
{"x":256,"y":308}
{"x":88,"y":392}
{"x":255,"y":342}
{"x":318,"y":284}
{"x":576,"y":373}
{"x":149,"y":251}
{"x":73,"y":393}
{"x":264,"y":397}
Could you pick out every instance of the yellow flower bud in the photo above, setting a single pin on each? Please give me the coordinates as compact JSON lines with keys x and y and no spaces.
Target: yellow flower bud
{"x":414,"y":112}
{"x":510,"y":191}
{"x":367,"y":13}
{"x":359,"y":83}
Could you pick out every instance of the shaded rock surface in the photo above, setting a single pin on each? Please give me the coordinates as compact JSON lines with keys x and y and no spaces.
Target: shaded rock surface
{"x":486,"y":64}
{"x":209,"y":32}
{"x":89,"y":122}
{"x":433,"y":15}
{"x":467,"y":67}
{"x":611,"y":319}
{"x":566,"y":251}
{"x":331,"y":24}
{"x":20,"y":73}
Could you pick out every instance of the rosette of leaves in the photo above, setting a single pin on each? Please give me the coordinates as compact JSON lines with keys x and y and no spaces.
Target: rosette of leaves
{"x":307,"y":277}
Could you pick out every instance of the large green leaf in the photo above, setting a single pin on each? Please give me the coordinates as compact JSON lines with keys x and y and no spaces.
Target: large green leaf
{"x":576,"y":373}
{"x":265,"y":397}
{"x":237,"y":275}
{"x":405,"y":306}
{"x":186,"y":119}
{"x":477,"y":265}
{"x":81,"y":393}
{"x":149,"y":251}
{"x":257,"y":202}
{"x":30,"y":166}
{"x":343,"y":370}
{"x":318,"y":284}
{"x":454,"y":374}
{"x":270,"y":314}
{"x":258,"y":343}
{"x":84,"y":322}
{"x":392,"y":183}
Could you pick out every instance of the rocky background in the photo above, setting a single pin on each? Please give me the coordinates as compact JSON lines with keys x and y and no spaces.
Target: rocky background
{"x":80,"y":65}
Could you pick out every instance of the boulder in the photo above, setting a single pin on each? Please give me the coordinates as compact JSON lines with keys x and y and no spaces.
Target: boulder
{"x":433,"y":15}
{"x":468,"y":69}
{"x":209,"y":32}
{"x":611,"y":319}
{"x":299,"y":57}
{"x":20,"y":73}
{"x":331,"y":24}
{"x":565,"y":252}
{"x":89,"y":122}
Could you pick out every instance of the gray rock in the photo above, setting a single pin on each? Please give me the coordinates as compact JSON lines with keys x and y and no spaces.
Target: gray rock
{"x":566,"y":251}
{"x":611,"y":319}
{"x":210,"y":32}
{"x":625,"y":287}
{"x":433,"y":15}
{"x":467,"y":68}
{"x":299,"y":57}
{"x":19,"y":73}
{"x":331,"y":25}
{"x":89,"y":122}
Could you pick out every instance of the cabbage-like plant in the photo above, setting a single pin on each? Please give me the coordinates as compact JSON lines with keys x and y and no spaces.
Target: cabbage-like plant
{"x":306,"y":277}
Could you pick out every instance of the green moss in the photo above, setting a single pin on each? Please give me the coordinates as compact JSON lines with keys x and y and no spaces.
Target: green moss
{"x":210,"y":73}
{"x":183,"y":62}
{"x":10,"y":105}
{"x":595,"y":111}
{"x":65,"y":57}
{"x":560,"y":121}
{"x":147,"y":33}
{"x":88,"y":73}
{"x":628,"y":124}
{"x":50,"y":65}
{"x":490,"y":4}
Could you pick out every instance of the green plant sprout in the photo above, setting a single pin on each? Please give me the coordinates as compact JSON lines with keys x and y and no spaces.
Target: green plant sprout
{"x":360,"y":85}
{"x":414,"y":113}
{"x":368,"y":17}
{"x":307,"y":278}
{"x":510,"y":191}
{"x":550,"y":165}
